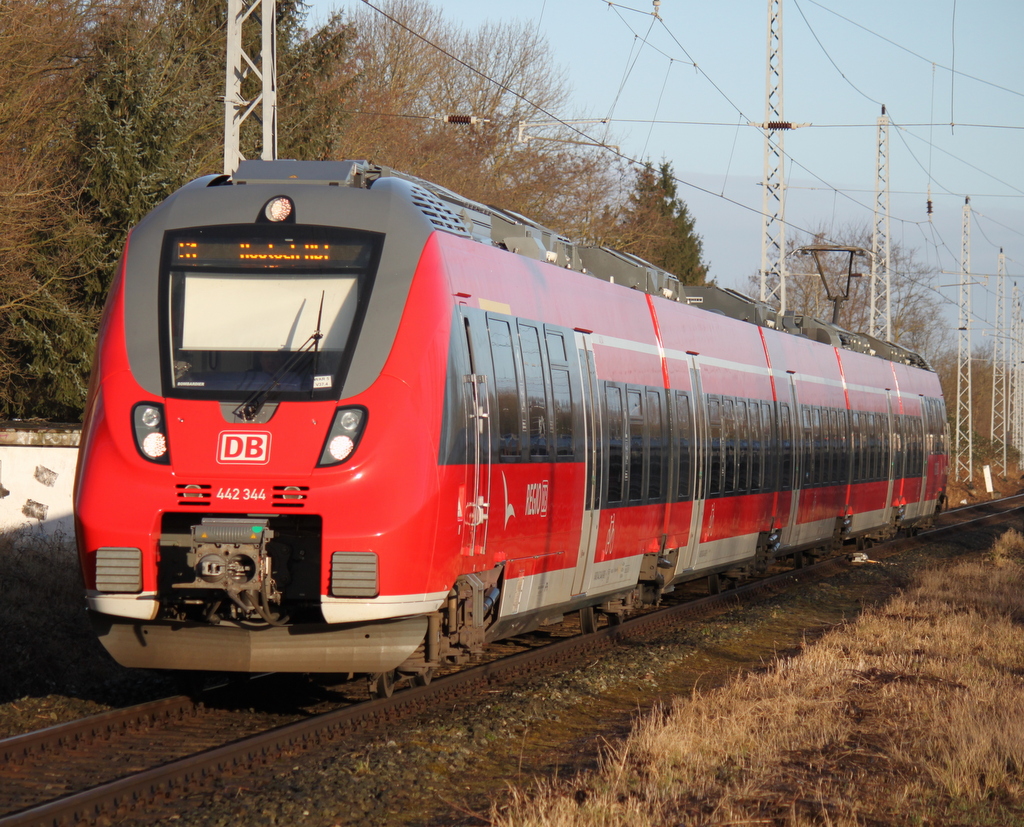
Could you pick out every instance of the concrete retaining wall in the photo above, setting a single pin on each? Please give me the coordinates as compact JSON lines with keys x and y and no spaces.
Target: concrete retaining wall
{"x":37,"y":475}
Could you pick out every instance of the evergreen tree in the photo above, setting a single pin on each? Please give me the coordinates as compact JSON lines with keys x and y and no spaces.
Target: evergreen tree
{"x":658,"y":227}
{"x":140,"y":113}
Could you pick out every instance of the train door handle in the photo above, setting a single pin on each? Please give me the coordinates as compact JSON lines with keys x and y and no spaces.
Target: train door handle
{"x":476,"y":513}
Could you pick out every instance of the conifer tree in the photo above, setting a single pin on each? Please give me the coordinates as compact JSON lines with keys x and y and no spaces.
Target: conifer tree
{"x":657,"y":226}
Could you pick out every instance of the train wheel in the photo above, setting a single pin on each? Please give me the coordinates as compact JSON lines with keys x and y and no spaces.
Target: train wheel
{"x":382,"y":685}
{"x":425,"y":677}
{"x":588,"y":620}
{"x":714,"y":584}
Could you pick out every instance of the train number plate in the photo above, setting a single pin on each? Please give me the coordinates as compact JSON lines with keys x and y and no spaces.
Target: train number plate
{"x":241,"y":493}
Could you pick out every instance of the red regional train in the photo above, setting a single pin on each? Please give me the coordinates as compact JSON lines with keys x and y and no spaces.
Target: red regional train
{"x":343,"y":420}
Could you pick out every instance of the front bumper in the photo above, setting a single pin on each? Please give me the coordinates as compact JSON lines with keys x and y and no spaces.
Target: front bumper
{"x":364,"y":648}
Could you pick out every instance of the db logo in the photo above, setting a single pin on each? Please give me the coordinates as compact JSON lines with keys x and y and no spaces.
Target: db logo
{"x":244,"y":446}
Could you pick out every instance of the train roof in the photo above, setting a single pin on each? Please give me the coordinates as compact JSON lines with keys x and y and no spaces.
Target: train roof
{"x":450,"y":212}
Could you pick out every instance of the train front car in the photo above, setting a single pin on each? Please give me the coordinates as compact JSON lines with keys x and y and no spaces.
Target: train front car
{"x":231,"y":513}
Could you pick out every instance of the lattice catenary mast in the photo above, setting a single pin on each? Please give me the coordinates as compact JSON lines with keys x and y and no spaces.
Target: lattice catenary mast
{"x":964,"y":445}
{"x":881,"y":282}
{"x":773,"y":237}
{"x":1016,"y":386}
{"x":1000,"y":395}
{"x":250,"y":89}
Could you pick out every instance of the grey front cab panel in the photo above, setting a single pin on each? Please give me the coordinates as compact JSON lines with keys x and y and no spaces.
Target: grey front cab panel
{"x":386,"y":208}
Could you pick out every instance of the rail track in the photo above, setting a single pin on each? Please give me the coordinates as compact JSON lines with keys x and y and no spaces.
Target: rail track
{"x":117,"y":763}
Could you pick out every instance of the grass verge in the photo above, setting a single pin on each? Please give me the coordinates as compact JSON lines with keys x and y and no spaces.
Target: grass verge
{"x":46,"y":644}
{"x":913,"y":714}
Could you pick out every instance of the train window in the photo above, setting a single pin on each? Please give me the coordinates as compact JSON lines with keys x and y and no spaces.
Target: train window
{"x":831,"y":430}
{"x":926,"y":429}
{"x":729,"y":444}
{"x":885,"y":439}
{"x":755,"y":437}
{"x":536,"y":392}
{"x":658,"y":466}
{"x":846,"y":441}
{"x":845,"y":458}
{"x":506,"y":388}
{"x":556,"y":346}
{"x":635,"y":409}
{"x":923,"y":446}
{"x":873,"y":448}
{"x":919,"y":427}
{"x":931,"y":427}
{"x":899,"y":445}
{"x":291,"y":336}
{"x":786,"y":446}
{"x":912,"y":464}
{"x":919,"y":430}
{"x":834,"y":453}
{"x":769,"y":459}
{"x":684,"y":441}
{"x":634,"y":401}
{"x":613,"y":420}
{"x":808,"y":452}
{"x":868,"y":446}
{"x":886,"y":436}
{"x":756,"y":447}
{"x":838,"y":457}
{"x":842,"y":448}
{"x":820,"y":452}
{"x":714,"y":446}
{"x":855,"y":443}
{"x":561,"y":397}
{"x":881,"y":446}
{"x":908,"y":445}
{"x":592,"y":434}
{"x":742,"y":447}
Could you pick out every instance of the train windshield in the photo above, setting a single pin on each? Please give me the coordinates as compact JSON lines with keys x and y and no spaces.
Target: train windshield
{"x":271,"y":311}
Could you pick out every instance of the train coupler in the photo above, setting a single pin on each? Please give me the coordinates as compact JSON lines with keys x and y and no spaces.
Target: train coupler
{"x":231,"y":555}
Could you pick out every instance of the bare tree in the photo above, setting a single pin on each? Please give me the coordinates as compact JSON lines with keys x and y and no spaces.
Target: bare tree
{"x":501,"y":74}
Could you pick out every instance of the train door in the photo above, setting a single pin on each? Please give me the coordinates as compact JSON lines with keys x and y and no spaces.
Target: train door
{"x":591,"y":444}
{"x":790,"y":456}
{"x":692,"y":437}
{"x":920,"y":425}
{"x":478,"y":453}
{"x":892,"y":459}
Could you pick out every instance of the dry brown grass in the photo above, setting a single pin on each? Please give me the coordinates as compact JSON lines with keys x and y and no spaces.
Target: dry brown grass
{"x":912,"y":714}
{"x":46,"y":644}
{"x":959,"y":492}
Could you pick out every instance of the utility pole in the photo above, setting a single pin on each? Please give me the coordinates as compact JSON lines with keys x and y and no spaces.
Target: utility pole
{"x":881,"y":318}
{"x":243,"y":98}
{"x":964,"y":447}
{"x":999,"y":372}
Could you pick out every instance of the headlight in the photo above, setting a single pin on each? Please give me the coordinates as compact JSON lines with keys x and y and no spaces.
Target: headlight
{"x":150,"y":434}
{"x":344,"y":435}
{"x":279,"y":208}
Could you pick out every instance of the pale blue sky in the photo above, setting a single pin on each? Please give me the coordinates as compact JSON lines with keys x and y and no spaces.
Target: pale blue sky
{"x":621,"y":62}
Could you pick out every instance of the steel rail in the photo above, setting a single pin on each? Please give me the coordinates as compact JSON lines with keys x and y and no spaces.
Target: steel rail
{"x":19,"y":747}
{"x":135,"y":791}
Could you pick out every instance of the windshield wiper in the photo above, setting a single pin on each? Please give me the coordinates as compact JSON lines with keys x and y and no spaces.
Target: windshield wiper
{"x":251,"y":407}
